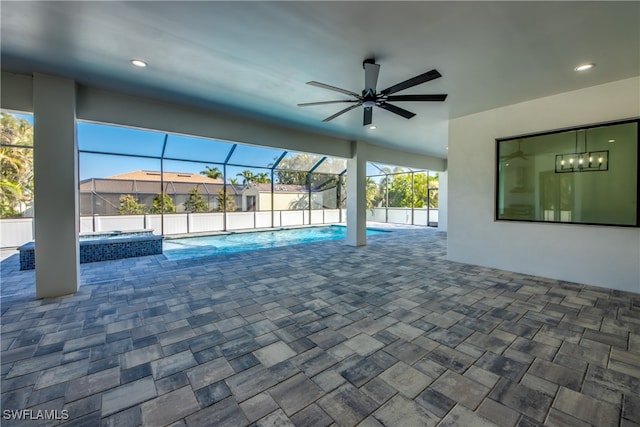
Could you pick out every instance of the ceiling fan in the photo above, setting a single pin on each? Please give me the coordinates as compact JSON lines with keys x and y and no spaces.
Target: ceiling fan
{"x":519,"y":154}
{"x":370,"y":98}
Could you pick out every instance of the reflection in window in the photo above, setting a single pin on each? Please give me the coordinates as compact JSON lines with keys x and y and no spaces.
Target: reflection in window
{"x":585,"y":176}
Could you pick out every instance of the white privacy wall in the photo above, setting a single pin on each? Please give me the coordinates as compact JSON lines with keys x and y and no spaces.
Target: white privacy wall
{"x":594,"y":255}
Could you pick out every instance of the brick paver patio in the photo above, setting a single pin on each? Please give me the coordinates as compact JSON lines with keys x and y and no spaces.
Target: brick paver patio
{"x":317,"y":335}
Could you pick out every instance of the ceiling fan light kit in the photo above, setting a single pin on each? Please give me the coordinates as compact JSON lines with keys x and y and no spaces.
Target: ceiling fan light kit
{"x":371,"y":98}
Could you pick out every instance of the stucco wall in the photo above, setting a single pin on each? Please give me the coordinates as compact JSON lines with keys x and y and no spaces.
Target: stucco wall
{"x":595,"y":255}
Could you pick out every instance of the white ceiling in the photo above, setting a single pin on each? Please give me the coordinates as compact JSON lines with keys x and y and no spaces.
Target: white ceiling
{"x":255,"y":57}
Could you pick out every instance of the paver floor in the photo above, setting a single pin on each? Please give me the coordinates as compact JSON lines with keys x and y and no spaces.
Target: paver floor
{"x":320,"y":334}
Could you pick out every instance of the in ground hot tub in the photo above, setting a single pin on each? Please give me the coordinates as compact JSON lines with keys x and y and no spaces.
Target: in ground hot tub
{"x":104,"y":247}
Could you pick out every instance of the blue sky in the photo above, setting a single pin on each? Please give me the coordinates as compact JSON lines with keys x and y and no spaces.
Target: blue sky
{"x":114,"y":139}
{"x":197,"y":152}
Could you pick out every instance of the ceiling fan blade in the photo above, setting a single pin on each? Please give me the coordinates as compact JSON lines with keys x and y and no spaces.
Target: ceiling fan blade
{"x":422,"y":78}
{"x":368,"y":116}
{"x":439,"y":98}
{"x":371,"y":72}
{"x":336,"y":89}
{"x":399,"y":111}
{"x":339,"y":113}
{"x":307,"y":104}
{"x":515,"y":155}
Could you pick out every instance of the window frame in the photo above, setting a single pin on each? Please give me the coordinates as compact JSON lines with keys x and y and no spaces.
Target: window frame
{"x":557,"y":131}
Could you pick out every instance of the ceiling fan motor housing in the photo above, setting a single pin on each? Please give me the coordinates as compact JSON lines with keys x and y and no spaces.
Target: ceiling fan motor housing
{"x":368,"y":61}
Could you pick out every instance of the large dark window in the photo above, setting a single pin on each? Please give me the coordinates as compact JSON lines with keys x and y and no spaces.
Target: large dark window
{"x":586,"y":175}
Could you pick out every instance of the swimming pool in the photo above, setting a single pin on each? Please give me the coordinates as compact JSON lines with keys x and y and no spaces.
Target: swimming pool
{"x":194,"y":247}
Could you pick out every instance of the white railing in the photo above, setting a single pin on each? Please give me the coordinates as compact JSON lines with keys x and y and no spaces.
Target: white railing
{"x":201,"y":223}
{"x":18,"y":231}
{"x":15,"y":232}
{"x":240,"y":220}
{"x":403,"y":216}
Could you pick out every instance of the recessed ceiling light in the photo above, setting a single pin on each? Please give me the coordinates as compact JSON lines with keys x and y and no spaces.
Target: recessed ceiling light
{"x":612,"y":140}
{"x":139,"y":63}
{"x":373,"y":127}
{"x":584,"y":67}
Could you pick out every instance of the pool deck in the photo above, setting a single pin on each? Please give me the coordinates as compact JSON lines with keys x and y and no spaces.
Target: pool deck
{"x":322,"y":334}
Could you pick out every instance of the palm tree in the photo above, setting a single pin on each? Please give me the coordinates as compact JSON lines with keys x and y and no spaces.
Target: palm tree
{"x":262,"y":178}
{"x":247,"y":176}
{"x":212,"y":172}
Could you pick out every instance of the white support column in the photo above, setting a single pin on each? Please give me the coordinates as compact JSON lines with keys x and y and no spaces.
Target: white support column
{"x":356,"y":195}
{"x":443,"y":191}
{"x":56,"y":186}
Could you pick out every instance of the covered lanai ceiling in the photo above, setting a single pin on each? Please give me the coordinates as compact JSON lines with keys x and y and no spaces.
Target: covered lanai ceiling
{"x":256,"y":57}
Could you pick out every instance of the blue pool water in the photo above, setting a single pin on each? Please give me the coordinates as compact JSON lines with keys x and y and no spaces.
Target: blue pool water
{"x":193,"y":247}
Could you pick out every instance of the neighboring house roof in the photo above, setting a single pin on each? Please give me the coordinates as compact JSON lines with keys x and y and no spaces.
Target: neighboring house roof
{"x":168,"y":177}
{"x":148,"y":182}
{"x":281,"y":188}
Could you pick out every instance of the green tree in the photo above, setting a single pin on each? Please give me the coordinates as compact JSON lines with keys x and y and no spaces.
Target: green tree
{"x":262,"y":178}
{"x":212,"y":172}
{"x":294,"y":170}
{"x":371,"y":193}
{"x":233,"y":181}
{"x":433,"y":184}
{"x":400,"y":191}
{"x":196,"y":202}
{"x":420,"y":189}
{"x":129,"y":205}
{"x":16,"y":165}
{"x":400,"y":194}
{"x":225,"y":203}
{"x":292,"y":177}
{"x":381,"y":199}
{"x":247,"y":176}
{"x":159,"y":200}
